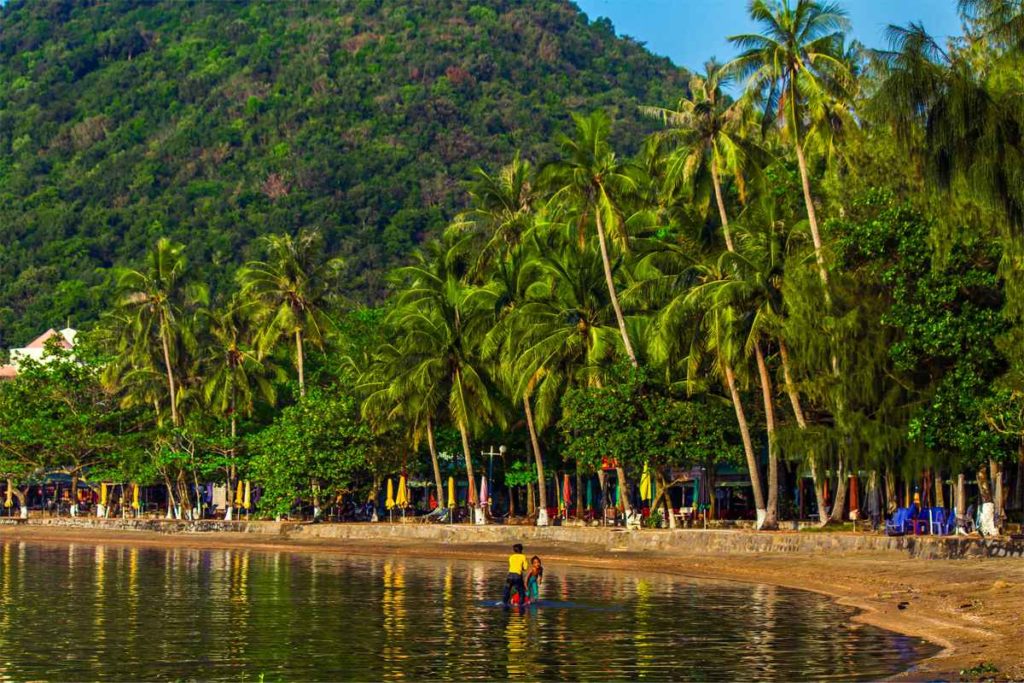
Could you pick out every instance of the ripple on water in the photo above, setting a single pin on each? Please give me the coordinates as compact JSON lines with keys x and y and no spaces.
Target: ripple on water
{"x":106,"y":613}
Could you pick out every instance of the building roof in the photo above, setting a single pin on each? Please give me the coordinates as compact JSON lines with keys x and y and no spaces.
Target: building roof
{"x":8,"y":372}
{"x":40,"y":341}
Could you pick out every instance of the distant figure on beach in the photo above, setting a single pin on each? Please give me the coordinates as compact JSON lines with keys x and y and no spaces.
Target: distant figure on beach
{"x":517,"y":566}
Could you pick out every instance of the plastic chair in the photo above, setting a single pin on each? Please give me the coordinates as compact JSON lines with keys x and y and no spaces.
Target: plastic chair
{"x":900,"y":522}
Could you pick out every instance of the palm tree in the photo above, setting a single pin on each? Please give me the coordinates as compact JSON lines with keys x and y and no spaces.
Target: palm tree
{"x":234,"y":374}
{"x":152,"y":316}
{"x":560,"y":332}
{"x":589,"y":182}
{"x":442,"y":322}
{"x":394,"y":390}
{"x":291,"y":288}
{"x":500,"y":213}
{"x":794,"y":67}
{"x":710,"y":132}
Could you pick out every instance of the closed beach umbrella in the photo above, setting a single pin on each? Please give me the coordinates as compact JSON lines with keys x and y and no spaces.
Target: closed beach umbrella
{"x":402,"y":497}
{"x":247,"y":497}
{"x":451,"y":492}
{"x":483,"y":491}
{"x":135,"y":498}
{"x":9,"y":501}
{"x":590,"y":494}
{"x":103,"y":494}
{"x":239,"y":494}
{"x":645,"y":484}
{"x":566,"y":492}
{"x":390,"y":502}
{"x":558,"y":494}
{"x":854,"y":499}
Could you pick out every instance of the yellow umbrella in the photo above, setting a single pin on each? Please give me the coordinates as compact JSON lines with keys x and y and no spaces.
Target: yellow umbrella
{"x":238,"y":494}
{"x":451,"y":492}
{"x":247,"y":499}
{"x":390,"y":502}
{"x":645,"y":484}
{"x":402,"y":499}
{"x":10,"y":497}
{"x":135,"y":498}
{"x":103,"y":494}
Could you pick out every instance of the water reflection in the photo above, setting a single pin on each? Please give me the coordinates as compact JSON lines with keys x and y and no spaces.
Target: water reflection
{"x":112,"y":613}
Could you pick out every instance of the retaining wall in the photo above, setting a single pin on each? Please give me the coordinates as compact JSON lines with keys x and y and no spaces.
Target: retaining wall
{"x":678,"y":541}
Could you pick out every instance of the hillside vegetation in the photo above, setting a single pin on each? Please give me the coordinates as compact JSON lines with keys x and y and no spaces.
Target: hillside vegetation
{"x":214,"y":123}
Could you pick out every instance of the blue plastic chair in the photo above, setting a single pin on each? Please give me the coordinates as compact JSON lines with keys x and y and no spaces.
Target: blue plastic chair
{"x":936,"y":520}
{"x":897,"y":526}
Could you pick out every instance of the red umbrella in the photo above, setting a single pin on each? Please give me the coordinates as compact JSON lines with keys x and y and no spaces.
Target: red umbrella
{"x":433,"y":501}
{"x":854,"y":498}
{"x":566,"y":494}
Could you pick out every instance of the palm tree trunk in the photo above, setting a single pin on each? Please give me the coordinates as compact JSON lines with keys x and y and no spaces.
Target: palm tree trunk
{"x":986,"y":522}
{"x":170,"y":372}
{"x":721,"y":204}
{"x":300,"y":362}
{"x":542,"y":515}
{"x":469,"y":464}
{"x":611,"y":289}
{"x":842,"y":482}
{"x":801,"y":421}
{"x":748,"y":447}
{"x":812,"y":217}
{"x":229,"y":512}
{"x":625,"y":504}
{"x":961,"y":501}
{"x":434,"y":461}
{"x":771,"y":520}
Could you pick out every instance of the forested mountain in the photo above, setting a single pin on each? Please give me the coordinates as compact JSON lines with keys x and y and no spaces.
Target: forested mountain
{"x":212,"y":123}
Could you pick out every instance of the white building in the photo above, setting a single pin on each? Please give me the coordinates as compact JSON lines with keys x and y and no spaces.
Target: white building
{"x":36,"y":348}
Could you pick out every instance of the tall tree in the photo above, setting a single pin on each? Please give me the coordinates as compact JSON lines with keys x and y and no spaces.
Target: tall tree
{"x":590,"y":181}
{"x":153,"y":307}
{"x":291,"y":287}
{"x":709,"y":131}
{"x":792,"y":67}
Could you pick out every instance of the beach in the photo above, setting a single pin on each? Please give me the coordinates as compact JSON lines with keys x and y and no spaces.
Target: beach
{"x":972,"y":607}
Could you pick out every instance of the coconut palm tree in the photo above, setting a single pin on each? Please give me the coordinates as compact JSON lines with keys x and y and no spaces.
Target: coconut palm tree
{"x":394,"y":390}
{"x":442,"y":322}
{"x":589,"y":182}
{"x":710,"y":135}
{"x":233,"y":373}
{"x":290,"y":289}
{"x":500,"y":213}
{"x":151,"y":316}
{"x":795,"y":68}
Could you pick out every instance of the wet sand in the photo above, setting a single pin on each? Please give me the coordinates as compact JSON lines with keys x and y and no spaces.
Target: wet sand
{"x":973,"y":608}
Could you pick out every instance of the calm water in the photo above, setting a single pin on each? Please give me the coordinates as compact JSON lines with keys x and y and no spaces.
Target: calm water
{"x":94,"y":612}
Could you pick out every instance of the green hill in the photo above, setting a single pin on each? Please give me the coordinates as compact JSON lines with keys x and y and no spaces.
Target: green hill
{"x":216,"y":122}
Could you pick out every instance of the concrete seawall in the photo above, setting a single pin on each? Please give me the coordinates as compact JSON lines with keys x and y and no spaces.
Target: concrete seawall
{"x":676,"y":542}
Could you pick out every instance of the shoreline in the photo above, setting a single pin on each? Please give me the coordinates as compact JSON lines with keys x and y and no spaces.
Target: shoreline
{"x":972,"y":608}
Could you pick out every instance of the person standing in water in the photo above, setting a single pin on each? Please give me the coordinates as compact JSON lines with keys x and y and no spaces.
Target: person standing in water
{"x":534,"y":577}
{"x":517,"y":565}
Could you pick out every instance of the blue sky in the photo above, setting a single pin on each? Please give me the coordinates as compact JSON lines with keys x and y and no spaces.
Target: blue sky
{"x":691,"y":31}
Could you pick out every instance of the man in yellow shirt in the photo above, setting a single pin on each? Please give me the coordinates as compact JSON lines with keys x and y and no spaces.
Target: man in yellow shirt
{"x":517,"y":564}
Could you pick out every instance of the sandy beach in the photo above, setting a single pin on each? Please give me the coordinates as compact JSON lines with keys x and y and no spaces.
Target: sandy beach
{"x":973,"y":608}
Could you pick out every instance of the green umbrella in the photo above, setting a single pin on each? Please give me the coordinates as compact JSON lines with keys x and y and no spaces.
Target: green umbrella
{"x":590,"y":495}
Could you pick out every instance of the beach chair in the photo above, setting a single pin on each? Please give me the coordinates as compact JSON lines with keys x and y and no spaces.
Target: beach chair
{"x":900,"y":523}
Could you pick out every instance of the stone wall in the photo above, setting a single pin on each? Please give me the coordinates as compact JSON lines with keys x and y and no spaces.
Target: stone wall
{"x":679,"y":541}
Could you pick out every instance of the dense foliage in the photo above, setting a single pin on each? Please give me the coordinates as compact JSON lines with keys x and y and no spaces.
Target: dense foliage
{"x":217,"y":122}
{"x":788,"y":283}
